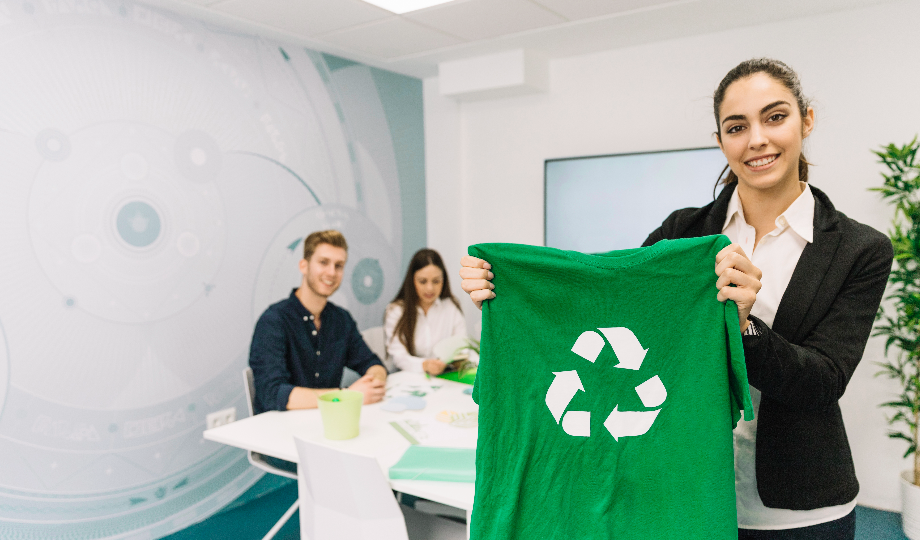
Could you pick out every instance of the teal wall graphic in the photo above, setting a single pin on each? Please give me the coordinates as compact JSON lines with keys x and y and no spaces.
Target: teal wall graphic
{"x":157,"y":175}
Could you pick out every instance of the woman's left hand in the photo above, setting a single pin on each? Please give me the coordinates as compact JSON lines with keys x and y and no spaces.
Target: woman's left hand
{"x":739,"y":280}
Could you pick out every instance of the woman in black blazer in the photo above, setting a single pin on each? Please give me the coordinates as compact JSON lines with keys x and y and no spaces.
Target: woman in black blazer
{"x":801,"y":363}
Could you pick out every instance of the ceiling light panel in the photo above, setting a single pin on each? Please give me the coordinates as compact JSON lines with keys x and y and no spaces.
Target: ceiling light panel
{"x":405,"y":6}
{"x":390,"y":38}
{"x":304,"y":17}
{"x":484,"y":19}
{"x":585,"y":9}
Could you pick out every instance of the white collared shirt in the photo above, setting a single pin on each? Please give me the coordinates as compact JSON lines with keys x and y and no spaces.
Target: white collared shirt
{"x":443,"y":320}
{"x":776,"y":256}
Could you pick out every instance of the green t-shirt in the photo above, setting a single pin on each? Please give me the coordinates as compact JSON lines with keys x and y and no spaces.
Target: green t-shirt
{"x":608,"y":387}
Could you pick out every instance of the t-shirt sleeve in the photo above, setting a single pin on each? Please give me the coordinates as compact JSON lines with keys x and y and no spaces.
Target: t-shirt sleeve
{"x":737,"y":370}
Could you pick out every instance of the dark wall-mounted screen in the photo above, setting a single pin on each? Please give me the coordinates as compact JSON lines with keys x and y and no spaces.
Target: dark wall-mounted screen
{"x":602,"y":203}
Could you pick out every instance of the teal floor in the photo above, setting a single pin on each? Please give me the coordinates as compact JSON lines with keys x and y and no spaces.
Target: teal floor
{"x":251,"y":515}
{"x":254,"y":513}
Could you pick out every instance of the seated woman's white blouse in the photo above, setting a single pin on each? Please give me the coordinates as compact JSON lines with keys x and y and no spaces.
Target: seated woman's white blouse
{"x":443,"y":320}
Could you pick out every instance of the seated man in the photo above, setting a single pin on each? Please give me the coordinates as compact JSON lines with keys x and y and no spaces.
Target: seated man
{"x":301,"y":345}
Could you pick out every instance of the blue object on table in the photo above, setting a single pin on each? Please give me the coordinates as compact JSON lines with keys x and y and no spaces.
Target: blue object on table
{"x":468,"y":391}
{"x":392,"y":406}
{"x":402,"y":403}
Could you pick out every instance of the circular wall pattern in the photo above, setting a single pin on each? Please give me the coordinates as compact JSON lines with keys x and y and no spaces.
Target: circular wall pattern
{"x":197,"y":156}
{"x":117,"y":212}
{"x":367,"y":281}
{"x":162,"y":172}
{"x":138,"y":224}
{"x":52,"y":145}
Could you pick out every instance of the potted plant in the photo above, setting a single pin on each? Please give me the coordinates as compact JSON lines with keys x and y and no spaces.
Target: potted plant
{"x":900,"y":316}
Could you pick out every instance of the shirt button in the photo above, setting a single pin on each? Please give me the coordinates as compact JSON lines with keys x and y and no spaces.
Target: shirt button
{"x":306,"y":318}
{"x":311,"y":317}
{"x":782,"y":222}
{"x":314,"y":332}
{"x":317,"y":353}
{"x":317,"y":375}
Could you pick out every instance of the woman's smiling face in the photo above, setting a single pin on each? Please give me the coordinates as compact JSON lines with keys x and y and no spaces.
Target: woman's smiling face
{"x":761,"y":132}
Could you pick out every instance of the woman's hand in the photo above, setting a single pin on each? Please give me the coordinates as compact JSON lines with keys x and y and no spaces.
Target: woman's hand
{"x":476,"y":275}
{"x":739,"y":280}
{"x":433,"y":366}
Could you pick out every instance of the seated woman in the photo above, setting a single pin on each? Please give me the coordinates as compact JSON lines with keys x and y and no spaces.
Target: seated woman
{"x":423,"y":313}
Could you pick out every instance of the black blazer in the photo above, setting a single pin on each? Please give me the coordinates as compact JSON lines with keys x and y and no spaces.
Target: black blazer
{"x":803,"y":364}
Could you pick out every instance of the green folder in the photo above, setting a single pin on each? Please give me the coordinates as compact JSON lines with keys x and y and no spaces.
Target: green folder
{"x":465,"y":377}
{"x":434,"y":463}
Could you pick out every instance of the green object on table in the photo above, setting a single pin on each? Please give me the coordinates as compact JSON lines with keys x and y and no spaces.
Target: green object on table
{"x":435,"y":463}
{"x":467,"y":376}
{"x":340,"y":411}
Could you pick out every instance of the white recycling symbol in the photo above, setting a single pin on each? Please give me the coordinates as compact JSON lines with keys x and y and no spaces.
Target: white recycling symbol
{"x":620,"y":423}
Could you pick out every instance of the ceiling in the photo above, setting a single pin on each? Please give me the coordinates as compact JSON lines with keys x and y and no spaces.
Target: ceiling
{"x":415,"y":43}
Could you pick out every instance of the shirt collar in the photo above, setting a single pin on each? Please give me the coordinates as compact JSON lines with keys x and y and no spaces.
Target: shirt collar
{"x":437,"y":302}
{"x":800,"y":216}
{"x":734,"y":207}
{"x":302,"y":310}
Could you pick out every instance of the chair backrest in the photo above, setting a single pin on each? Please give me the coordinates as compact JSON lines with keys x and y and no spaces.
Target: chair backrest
{"x":345,"y":495}
{"x":249,"y":386}
{"x":376,"y":339}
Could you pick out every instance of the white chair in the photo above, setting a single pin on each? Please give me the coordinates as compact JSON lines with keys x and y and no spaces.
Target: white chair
{"x":376,"y":339}
{"x":347,"y":496}
{"x":258,"y":460}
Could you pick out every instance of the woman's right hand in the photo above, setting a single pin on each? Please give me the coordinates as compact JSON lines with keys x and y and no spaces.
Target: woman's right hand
{"x":476,"y":279}
{"x":433,"y":366}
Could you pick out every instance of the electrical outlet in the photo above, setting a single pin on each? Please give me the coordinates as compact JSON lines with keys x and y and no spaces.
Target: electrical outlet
{"x":221,"y":417}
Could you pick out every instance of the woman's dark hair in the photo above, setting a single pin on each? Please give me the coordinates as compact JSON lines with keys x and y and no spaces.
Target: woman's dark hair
{"x":408,"y":297}
{"x":780,"y":72}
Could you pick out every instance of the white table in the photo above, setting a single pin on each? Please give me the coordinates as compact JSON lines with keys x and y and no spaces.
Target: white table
{"x":272,"y":434}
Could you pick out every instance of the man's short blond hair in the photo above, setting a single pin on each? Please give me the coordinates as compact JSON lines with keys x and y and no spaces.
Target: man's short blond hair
{"x":332,"y":237}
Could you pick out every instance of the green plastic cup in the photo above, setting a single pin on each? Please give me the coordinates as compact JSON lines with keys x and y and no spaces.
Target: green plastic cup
{"x":341,"y":411}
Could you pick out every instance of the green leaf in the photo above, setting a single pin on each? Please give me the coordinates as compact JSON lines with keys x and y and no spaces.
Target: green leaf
{"x":898,"y":319}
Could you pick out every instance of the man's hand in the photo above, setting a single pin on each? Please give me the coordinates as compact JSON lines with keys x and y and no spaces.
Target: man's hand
{"x":372,"y":388}
{"x":378,"y":372}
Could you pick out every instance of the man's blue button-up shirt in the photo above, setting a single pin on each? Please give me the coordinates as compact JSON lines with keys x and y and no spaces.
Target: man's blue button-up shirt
{"x":288,"y":350}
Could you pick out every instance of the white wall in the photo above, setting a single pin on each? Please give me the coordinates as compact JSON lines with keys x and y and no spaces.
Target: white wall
{"x":485,"y":159}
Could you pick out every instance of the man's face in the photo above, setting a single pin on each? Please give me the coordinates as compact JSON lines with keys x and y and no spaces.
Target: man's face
{"x":323,"y":272}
